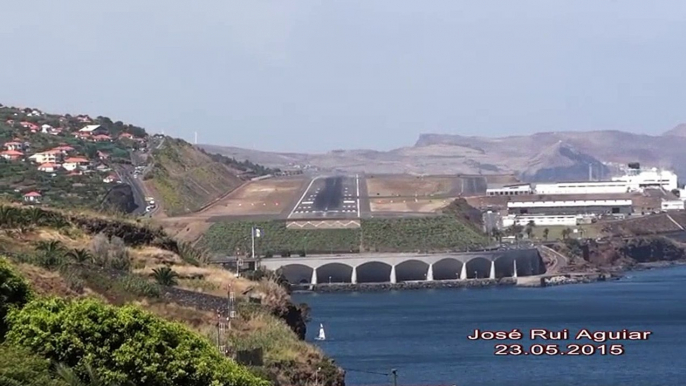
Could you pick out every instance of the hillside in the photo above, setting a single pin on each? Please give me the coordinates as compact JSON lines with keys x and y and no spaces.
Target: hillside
{"x":450,"y":154}
{"x":562,"y":159}
{"x":66,"y":161}
{"x":76,"y":161}
{"x":122,"y":263}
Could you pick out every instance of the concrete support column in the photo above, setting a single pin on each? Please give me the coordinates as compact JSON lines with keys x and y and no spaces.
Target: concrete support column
{"x":492,"y":275}
{"x":314,"y":276}
{"x":514,"y":272}
{"x":353,"y":276}
{"x":393,"y":281}
{"x":463,"y":272}
{"x":430,"y":273}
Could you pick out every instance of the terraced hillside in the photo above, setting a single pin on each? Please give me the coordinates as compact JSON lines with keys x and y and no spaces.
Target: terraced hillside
{"x":456,"y":229}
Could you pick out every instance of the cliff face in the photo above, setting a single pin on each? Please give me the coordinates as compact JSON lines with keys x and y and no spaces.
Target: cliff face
{"x":625,"y":253}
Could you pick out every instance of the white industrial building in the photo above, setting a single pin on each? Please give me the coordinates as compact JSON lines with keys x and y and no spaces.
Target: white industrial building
{"x":570,"y":207}
{"x":509,"y":190}
{"x":541,"y":220}
{"x":637,"y":179}
{"x":672,"y":205}
{"x":586,"y":187}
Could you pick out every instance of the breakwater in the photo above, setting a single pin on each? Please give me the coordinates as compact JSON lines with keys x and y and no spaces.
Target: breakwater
{"x":408,"y":285}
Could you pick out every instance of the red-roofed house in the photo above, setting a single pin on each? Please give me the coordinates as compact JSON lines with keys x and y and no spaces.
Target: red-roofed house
{"x":11,"y":155}
{"x":101,"y":138}
{"x":74,"y":173}
{"x":31,"y":126}
{"x":73,"y":163}
{"x":64,"y":149}
{"x":14,"y":145}
{"x":125,"y":136}
{"x":93,"y":130}
{"x":32,"y":197}
{"x":48,"y":167}
{"x":102,"y":155}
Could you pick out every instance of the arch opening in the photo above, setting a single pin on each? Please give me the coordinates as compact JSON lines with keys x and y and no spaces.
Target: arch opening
{"x":411,"y":270}
{"x":297,"y":273}
{"x":374,"y":272}
{"x":334,"y":273}
{"x":447,"y":269}
{"x":478,"y":268}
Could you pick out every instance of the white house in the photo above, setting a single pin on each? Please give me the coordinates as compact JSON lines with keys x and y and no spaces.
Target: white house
{"x":50,"y":156}
{"x":111,"y":178}
{"x":32,"y":197}
{"x":73,"y":163}
{"x":541,"y":220}
{"x":93,"y":130}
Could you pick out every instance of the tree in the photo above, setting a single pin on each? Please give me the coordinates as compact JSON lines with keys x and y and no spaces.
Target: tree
{"x":165,"y":276}
{"x":546,"y":231}
{"x":122,"y":345}
{"x":14,"y":292}
{"x":565,"y":233}
{"x":497,"y":235}
{"x":529,"y":229}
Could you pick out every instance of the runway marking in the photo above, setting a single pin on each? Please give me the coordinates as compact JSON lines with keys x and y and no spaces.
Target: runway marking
{"x":303,"y":196}
{"x":349,"y":201}
{"x":307,"y":203}
{"x":357,"y":182}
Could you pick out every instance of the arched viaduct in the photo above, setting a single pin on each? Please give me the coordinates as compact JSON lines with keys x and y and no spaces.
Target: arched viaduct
{"x":408,"y":267}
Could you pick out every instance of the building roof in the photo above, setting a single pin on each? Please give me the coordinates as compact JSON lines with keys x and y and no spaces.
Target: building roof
{"x":75,"y":160}
{"x":89,"y":128}
{"x":32,"y":194}
{"x":573,"y":197}
{"x":12,"y":152}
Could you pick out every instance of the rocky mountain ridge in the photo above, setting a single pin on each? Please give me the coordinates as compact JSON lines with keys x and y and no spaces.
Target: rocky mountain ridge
{"x":542,"y":156}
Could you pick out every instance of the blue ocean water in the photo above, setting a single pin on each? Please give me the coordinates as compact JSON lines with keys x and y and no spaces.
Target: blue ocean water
{"x":423,"y":333}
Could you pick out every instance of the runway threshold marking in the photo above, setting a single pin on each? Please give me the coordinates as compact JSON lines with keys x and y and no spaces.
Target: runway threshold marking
{"x":297,"y":204}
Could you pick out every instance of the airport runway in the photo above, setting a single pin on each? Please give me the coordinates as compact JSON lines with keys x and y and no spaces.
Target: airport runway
{"x":329,"y":197}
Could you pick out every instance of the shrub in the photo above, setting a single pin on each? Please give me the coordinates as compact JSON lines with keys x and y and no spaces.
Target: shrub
{"x":111,"y":252}
{"x":165,"y":276}
{"x":50,"y":254}
{"x":18,"y":366}
{"x":14,"y":292}
{"x":140,"y":286}
{"x":122,"y":344}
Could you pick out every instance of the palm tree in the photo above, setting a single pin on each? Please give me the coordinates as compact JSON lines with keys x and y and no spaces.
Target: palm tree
{"x":69,"y":376}
{"x":165,"y":276}
{"x":35,"y":216}
{"x":52,"y":252}
{"x":497,"y":235}
{"x":546,"y":231}
{"x":8,"y":217}
{"x":80,"y":256}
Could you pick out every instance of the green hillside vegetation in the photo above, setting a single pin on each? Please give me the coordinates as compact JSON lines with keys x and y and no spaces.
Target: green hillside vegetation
{"x":187,"y":178}
{"x":91,"y":261}
{"x":454,"y":230}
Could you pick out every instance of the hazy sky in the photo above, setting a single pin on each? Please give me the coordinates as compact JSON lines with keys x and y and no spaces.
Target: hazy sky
{"x":306,"y":75}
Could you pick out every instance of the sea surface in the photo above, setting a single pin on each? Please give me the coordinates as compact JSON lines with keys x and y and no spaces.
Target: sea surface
{"x":423,"y":333}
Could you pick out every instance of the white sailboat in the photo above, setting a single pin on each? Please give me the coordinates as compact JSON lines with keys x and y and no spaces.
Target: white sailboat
{"x":322,"y":334}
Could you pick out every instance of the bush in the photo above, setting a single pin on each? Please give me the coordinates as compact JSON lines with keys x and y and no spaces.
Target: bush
{"x":140,"y":286}
{"x":14,"y":292}
{"x":123,"y":344}
{"x":111,"y":252}
{"x":18,"y":366}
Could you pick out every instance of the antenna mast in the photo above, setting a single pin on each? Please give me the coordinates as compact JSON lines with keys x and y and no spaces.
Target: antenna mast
{"x":196,"y":138}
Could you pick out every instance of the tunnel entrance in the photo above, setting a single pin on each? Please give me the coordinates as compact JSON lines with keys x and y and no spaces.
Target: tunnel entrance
{"x":447,"y":269}
{"x":411,"y":270}
{"x":297,"y":273}
{"x":478,"y":268}
{"x":374,"y":272}
{"x":334,"y":273}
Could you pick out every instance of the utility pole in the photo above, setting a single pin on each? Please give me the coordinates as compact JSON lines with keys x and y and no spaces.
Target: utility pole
{"x":394,"y":374}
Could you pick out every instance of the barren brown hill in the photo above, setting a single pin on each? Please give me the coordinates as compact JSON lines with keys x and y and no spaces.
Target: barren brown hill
{"x":447,"y":153}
